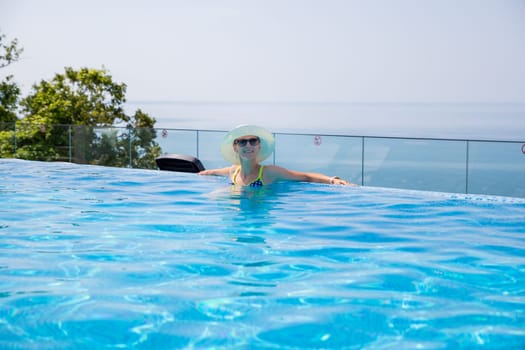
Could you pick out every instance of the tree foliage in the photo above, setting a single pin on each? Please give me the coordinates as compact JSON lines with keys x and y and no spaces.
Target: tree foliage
{"x":79,"y":97}
{"x":79,"y":114}
{"x":9,"y":90}
{"x":9,"y":95}
{"x":9,"y":52}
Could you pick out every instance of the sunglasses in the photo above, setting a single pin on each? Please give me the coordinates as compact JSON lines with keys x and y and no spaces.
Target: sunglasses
{"x":243,"y":142}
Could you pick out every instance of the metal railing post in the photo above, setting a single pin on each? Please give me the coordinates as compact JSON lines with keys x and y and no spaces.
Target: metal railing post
{"x":362,"y":161}
{"x":467,"y":167}
{"x":15,"y":140}
{"x":275,"y":147}
{"x":70,"y":144}
{"x":130,"y":156}
{"x":197,"y":139}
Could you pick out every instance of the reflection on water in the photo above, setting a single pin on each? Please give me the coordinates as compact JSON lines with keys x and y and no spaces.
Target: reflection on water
{"x":94,"y":257}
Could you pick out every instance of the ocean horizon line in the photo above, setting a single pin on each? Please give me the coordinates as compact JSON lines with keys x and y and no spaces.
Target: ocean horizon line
{"x":306,"y":102}
{"x":450,"y":120}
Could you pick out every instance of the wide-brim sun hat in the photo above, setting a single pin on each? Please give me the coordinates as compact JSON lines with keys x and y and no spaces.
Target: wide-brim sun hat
{"x":266,"y":137}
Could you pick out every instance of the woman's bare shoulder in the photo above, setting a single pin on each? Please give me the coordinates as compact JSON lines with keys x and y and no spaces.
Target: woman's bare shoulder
{"x":274,"y":169}
{"x":275,"y":173}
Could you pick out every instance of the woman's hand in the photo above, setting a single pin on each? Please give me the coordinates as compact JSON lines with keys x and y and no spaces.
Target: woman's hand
{"x":336,"y":180}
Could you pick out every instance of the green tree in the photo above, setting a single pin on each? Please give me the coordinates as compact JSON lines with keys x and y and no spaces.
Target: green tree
{"x":9,"y":51}
{"x":132,"y":146}
{"x":144,"y":149}
{"x":79,"y":97}
{"x":9,"y":90}
{"x":84,"y":108}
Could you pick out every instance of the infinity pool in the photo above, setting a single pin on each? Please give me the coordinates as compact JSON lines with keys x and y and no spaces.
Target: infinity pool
{"x":95,"y":257}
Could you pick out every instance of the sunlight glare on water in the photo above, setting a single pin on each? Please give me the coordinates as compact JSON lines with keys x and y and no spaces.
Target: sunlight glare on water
{"x":94,"y":257}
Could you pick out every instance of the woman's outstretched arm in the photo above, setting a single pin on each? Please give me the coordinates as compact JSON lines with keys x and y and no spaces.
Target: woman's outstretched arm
{"x":276,"y":173}
{"x":218,"y":172}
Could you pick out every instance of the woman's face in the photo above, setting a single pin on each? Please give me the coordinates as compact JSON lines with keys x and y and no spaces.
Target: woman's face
{"x":247,"y":147}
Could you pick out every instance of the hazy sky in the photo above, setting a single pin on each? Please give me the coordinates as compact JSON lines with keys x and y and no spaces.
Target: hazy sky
{"x":279,"y":50}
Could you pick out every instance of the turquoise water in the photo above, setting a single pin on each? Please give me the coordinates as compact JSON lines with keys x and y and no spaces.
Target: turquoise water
{"x":94,"y":257}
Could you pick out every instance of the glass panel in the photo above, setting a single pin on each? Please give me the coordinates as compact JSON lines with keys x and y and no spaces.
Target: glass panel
{"x":59,"y":137}
{"x":145,"y":148}
{"x":7,"y":140}
{"x":497,"y":168}
{"x":101,"y":146}
{"x":81,"y":142}
{"x":209,"y":149}
{"x":42,"y":142}
{"x":7,"y":126}
{"x":183,"y":142}
{"x":435,"y":165}
{"x":330,"y":155}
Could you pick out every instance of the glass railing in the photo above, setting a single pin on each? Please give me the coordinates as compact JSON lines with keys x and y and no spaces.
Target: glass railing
{"x":458,"y":166}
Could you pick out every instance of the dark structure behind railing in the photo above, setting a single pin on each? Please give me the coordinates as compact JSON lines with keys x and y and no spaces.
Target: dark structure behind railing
{"x":447,"y":165}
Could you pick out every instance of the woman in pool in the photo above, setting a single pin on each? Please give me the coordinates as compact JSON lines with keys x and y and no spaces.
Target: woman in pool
{"x":248,"y":145}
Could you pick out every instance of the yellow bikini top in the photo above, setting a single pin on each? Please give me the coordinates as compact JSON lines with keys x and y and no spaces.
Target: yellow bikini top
{"x":258,"y":182}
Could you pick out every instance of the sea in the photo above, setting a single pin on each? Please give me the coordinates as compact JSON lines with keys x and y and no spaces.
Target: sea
{"x":474,"y":121}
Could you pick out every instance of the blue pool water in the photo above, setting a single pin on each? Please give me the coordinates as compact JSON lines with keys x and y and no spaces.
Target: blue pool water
{"x":94,"y":257}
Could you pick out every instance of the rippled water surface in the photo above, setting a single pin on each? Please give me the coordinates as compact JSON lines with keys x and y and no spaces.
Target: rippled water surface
{"x":95,"y":257}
